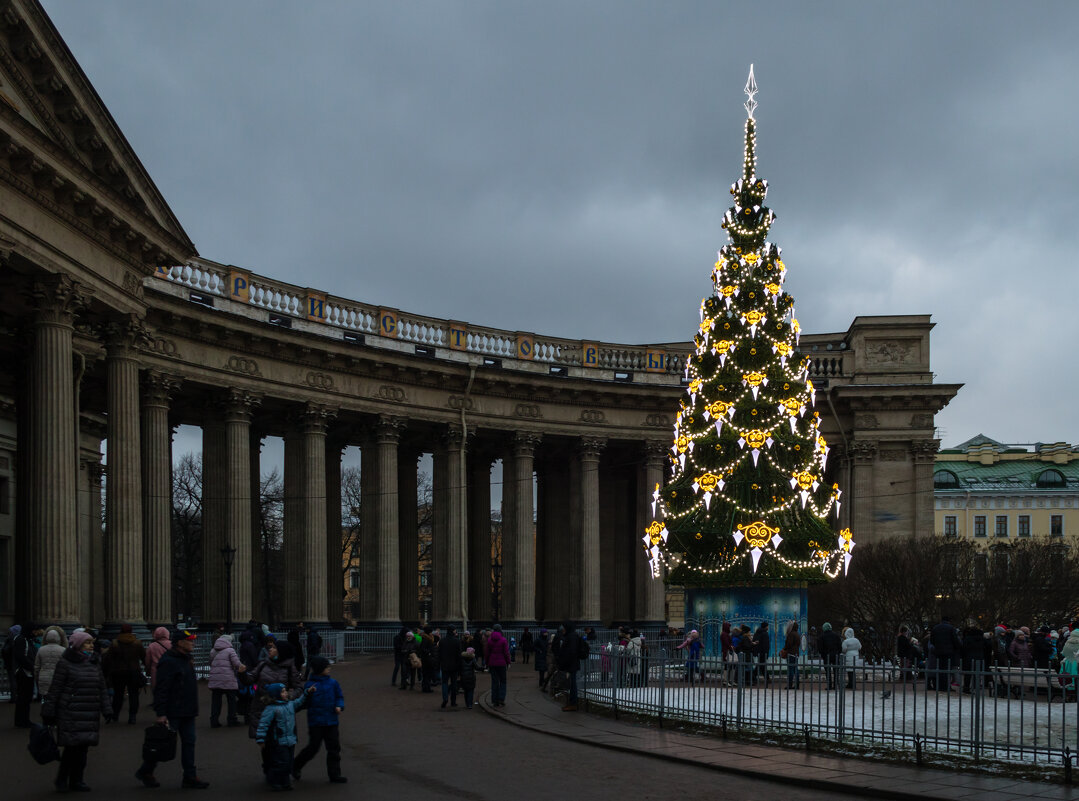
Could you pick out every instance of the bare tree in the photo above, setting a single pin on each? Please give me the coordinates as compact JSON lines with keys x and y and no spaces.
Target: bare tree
{"x":271,"y":527}
{"x":187,"y":535}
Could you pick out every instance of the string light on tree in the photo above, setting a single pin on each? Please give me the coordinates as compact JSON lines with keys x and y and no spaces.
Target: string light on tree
{"x":747,"y":499}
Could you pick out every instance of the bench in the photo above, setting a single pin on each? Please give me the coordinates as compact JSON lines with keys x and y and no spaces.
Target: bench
{"x":1017,"y":680}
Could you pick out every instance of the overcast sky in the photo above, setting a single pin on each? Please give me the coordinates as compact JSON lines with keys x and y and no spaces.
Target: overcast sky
{"x":562,"y":167}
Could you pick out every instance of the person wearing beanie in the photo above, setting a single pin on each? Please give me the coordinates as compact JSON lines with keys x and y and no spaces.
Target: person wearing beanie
{"x":324,"y":704}
{"x":19,"y":660}
{"x":498,"y":660}
{"x":161,"y":645}
{"x":277,"y":667}
{"x":539,"y":648}
{"x":449,"y":662}
{"x":276,"y":733}
{"x":76,"y":702}
{"x":48,"y":657}
{"x":176,"y":703}
{"x":122,"y":666}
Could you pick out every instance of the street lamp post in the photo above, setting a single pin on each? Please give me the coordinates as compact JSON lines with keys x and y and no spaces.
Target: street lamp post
{"x":228,"y":554}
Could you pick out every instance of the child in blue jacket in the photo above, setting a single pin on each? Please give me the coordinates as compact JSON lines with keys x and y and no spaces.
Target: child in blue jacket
{"x":326,"y":703}
{"x":277,"y":731}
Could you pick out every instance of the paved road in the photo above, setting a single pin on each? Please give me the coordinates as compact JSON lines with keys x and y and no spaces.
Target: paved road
{"x":397,"y":746}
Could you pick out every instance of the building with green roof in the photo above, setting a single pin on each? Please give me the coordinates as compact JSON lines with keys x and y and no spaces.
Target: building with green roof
{"x":991,"y":491}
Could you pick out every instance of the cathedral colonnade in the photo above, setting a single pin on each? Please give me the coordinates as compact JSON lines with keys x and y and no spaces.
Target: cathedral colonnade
{"x":114,"y":331}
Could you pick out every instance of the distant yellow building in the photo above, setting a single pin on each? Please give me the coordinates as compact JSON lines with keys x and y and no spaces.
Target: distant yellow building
{"x":986,"y":490}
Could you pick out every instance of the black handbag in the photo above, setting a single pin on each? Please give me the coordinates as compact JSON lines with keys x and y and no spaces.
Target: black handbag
{"x":159,"y":744}
{"x":42,"y":745}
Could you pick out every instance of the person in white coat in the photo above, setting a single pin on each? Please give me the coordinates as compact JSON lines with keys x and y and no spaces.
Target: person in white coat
{"x":852,"y":646}
{"x":47,"y":657}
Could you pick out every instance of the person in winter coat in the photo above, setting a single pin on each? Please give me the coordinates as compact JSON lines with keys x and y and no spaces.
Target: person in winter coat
{"x":693,"y":647}
{"x":573,"y":650}
{"x":76,"y":702}
{"x":831,"y":648}
{"x":122,"y":666}
{"x":527,"y":645}
{"x":973,"y":654}
{"x":497,"y":658}
{"x":48,"y":656}
{"x":449,"y":661}
{"x":161,"y":645}
{"x":1069,"y":663}
{"x":276,"y":733}
{"x":634,"y":656}
{"x":6,"y":655}
{"x":1041,"y":648}
{"x":278,"y":668}
{"x":1019,"y":651}
{"x":539,"y":648}
{"x":176,"y":704}
{"x":763,"y":637}
{"x":792,"y":645}
{"x":468,"y":675}
{"x":296,"y":638}
{"x":947,"y":647}
{"x":425,"y":649}
{"x":324,"y":705}
{"x":398,"y":663}
{"x":22,"y":669}
{"x":249,"y":649}
{"x":851,"y":648}
{"x":224,"y":665}
{"x":408,"y":670}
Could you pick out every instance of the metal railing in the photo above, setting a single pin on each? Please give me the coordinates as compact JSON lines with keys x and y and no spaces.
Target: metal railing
{"x":996,"y":714}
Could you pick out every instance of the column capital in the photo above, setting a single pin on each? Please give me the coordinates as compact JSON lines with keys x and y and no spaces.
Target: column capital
{"x":59,"y":298}
{"x":125,"y":335}
{"x":454,"y":438}
{"x":589,"y":448}
{"x":526,"y":442}
{"x":157,"y":387}
{"x":655,"y":453}
{"x":388,"y":429}
{"x":316,"y":417}
{"x":864,"y":451}
{"x":924,"y":450}
{"x":95,"y":469}
{"x":239,"y":405}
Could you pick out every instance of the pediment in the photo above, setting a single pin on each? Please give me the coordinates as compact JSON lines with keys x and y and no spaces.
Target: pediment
{"x":51,"y":110}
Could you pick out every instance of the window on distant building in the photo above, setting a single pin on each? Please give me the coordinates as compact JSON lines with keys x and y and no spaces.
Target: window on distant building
{"x":1024,"y":526}
{"x":1002,"y":526}
{"x":354,"y":578}
{"x":949,"y":526}
{"x":945,"y":479}
{"x":1056,"y":525}
{"x":1051,"y":479}
{"x":979,"y":525}
{"x":425,"y":578}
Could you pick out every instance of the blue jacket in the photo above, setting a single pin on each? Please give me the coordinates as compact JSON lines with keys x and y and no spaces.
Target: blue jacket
{"x":321,"y":703}
{"x":281,"y":715}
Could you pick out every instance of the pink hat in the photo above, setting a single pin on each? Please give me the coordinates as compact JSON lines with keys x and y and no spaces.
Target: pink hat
{"x":78,"y":639}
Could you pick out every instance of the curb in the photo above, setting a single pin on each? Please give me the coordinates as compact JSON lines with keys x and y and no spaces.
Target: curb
{"x":798,"y":781}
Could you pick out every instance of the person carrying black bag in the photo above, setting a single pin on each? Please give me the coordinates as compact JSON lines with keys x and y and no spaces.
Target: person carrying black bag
{"x":176,"y":703}
{"x":76,"y":702}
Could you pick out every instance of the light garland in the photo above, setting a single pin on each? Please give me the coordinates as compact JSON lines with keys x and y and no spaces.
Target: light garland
{"x":746,"y":430}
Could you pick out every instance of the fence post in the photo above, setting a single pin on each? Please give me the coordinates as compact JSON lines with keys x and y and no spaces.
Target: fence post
{"x":662,"y":689}
{"x":977,"y":677}
{"x":840,"y":706}
{"x":619,"y":666}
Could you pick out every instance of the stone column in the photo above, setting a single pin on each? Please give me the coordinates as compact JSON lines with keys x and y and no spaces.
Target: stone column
{"x":290,"y":607}
{"x":479,"y":537}
{"x":95,"y":608}
{"x":449,"y":528}
{"x":157,"y":497}
{"x":238,"y":410}
{"x":336,"y":557}
{"x":51,"y":528}
{"x":409,"y":539}
{"x":519,"y":576}
{"x":924,"y":455}
{"x":588,"y":452}
{"x":865,"y":454}
{"x":650,"y":590}
{"x":387,"y":436}
{"x":123,"y":492}
{"x":214,"y":519}
{"x":316,"y":418}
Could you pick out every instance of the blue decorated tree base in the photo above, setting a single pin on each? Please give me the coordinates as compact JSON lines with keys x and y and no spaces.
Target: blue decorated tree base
{"x":707,"y":609}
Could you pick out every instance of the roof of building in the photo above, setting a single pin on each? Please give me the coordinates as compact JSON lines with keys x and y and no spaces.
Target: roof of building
{"x":982,"y":463}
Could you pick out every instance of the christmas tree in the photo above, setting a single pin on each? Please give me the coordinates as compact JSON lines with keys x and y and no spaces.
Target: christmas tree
{"x":747,"y":501}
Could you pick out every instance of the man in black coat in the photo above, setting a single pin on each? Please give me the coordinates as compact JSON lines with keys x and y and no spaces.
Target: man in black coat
{"x":22,"y":670}
{"x":573,"y":649}
{"x":764,"y":645}
{"x":830,"y":648}
{"x":176,"y":704}
{"x":449,"y":661}
{"x":1041,"y":648}
{"x":946,"y":648}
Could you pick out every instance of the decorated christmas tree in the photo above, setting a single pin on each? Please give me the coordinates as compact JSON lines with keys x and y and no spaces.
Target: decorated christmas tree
{"x":747,"y":502}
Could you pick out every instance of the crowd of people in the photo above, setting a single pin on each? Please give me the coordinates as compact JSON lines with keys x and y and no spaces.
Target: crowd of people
{"x":945,"y":656}
{"x":435,"y":658}
{"x":83,"y":680}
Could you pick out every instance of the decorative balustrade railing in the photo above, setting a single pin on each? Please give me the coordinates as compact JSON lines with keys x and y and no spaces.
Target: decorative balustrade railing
{"x":829,"y":358}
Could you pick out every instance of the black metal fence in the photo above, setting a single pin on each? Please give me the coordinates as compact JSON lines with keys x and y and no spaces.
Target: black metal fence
{"x":1004,"y":714}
